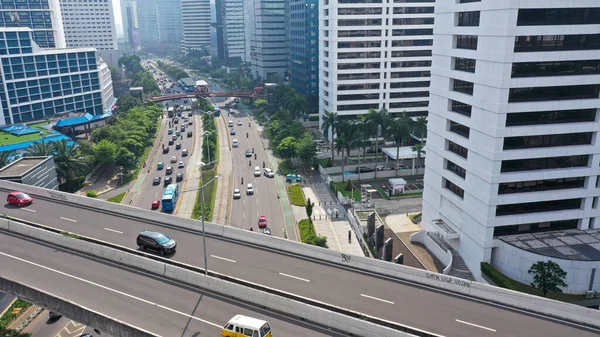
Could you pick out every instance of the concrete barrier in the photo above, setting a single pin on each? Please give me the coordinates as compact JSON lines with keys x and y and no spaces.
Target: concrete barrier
{"x":370,"y":266}
{"x":275,"y":303}
{"x":72,"y":310}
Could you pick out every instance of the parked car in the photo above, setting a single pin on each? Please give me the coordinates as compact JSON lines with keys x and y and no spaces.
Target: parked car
{"x":293,"y":178}
{"x":363,"y":169}
{"x":155,"y":241}
{"x":19,"y":198}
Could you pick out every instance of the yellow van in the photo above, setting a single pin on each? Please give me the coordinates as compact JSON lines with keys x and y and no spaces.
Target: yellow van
{"x":244,"y":326}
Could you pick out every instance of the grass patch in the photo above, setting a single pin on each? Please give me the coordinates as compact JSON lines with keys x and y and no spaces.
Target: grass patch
{"x":504,"y":281}
{"x":285,"y":168}
{"x":8,"y":138}
{"x":308,"y":234}
{"x":117,"y":198}
{"x":407,"y":195}
{"x":205,"y":210}
{"x":324,"y":162}
{"x":341,"y":187}
{"x":415,"y":215}
{"x":13,"y":312}
{"x":91,"y":194}
{"x":296,"y":195}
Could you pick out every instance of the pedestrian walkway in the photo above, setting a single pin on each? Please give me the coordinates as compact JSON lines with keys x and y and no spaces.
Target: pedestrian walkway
{"x":102,"y":181}
{"x":324,"y":219}
{"x":222,"y":208}
{"x":187,"y":200}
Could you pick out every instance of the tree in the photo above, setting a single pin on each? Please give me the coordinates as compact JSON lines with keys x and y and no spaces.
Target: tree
{"x":69,"y":162}
{"x":40,"y":149}
{"x":309,"y":208}
{"x":131,"y":62}
{"x":105,"y":152}
{"x":4,"y":332}
{"x":548,"y":277}
{"x":330,"y":123}
{"x":287,"y":148}
{"x":420,"y":127}
{"x":126,"y":159}
{"x":5,"y":158}
{"x":306,"y":150}
{"x":418,"y":148}
{"x":126,"y":103}
{"x":260,"y":105}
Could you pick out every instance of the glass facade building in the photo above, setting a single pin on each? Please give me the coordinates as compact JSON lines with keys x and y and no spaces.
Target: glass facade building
{"x":230,"y":39}
{"x":37,"y":83}
{"x":304,"y":49}
{"x":43,"y":16}
{"x":269,"y":40}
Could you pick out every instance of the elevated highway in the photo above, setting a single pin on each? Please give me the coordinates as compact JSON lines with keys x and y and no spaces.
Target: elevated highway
{"x":425,"y":308}
{"x":205,"y":93}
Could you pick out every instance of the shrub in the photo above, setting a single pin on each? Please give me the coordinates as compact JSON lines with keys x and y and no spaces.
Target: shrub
{"x":308,"y":234}
{"x":91,"y":194}
{"x":296,"y":195}
{"x":15,"y":309}
{"x":498,"y":278}
{"x":117,"y":198}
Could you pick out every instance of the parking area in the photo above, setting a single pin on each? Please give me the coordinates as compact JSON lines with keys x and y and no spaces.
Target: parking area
{"x":412,"y":185}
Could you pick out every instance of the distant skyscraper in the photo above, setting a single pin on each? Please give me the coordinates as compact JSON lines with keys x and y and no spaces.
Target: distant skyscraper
{"x":130,"y":23}
{"x":43,"y":17}
{"x":147,"y":13}
{"x":231,"y":46}
{"x":304,"y":49}
{"x":196,"y":16}
{"x":170,"y":25}
{"x":268,"y":39}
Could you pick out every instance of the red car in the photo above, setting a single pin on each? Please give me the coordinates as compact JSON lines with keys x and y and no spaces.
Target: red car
{"x":19,"y":199}
{"x":155,"y":204}
{"x":262,"y":221}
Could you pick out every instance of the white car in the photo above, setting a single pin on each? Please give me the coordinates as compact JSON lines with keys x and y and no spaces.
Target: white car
{"x":173,"y":159}
{"x":181,"y":164}
{"x":257,"y":171}
{"x":230,"y":124}
{"x":237,"y":194}
{"x":239,"y":123}
{"x":250,"y":189}
{"x":236,"y":143}
{"x":269,"y":173}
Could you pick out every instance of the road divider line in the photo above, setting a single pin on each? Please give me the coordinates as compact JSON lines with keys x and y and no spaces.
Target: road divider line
{"x":113,"y":230}
{"x":224,"y":259}
{"x":111,"y":290}
{"x":294,"y":277}
{"x":67,"y":219}
{"x":257,"y":201}
{"x":377,"y":299}
{"x":29,"y":210}
{"x":476,"y":325}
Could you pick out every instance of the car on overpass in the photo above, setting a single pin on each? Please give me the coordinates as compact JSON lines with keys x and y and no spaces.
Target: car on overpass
{"x":248,"y":325}
{"x":155,"y":241}
{"x":155,"y":204}
{"x":19,"y":198}
{"x":262,"y":221}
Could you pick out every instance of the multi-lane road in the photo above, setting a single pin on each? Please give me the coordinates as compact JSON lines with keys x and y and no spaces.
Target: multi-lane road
{"x":423,"y":308}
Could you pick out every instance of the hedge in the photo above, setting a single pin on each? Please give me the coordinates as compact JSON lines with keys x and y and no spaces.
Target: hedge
{"x":296,"y":195}
{"x":91,"y":193}
{"x":117,"y":198}
{"x":11,"y":314}
{"x":308,"y":234}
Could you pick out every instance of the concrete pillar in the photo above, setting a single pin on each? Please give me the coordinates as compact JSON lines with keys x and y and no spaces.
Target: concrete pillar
{"x":371,"y":225}
{"x":387,"y":249}
{"x":379,"y":238}
{"x":399,"y":259}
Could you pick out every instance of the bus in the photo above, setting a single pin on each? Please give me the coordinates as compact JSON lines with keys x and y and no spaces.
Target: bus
{"x":169,"y":199}
{"x":171,"y":111}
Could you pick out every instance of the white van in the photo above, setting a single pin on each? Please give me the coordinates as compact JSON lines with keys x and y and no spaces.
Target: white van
{"x":242,"y":326}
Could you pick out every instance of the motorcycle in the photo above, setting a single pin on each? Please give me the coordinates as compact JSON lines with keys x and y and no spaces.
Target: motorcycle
{"x":246,"y":135}
{"x":242,"y":181}
{"x":263,"y":164}
{"x":249,"y":162}
{"x":255,"y":156}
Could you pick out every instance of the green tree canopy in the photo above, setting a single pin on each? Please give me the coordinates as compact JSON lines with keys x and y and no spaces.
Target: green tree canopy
{"x":126,"y":159}
{"x":105,"y":151}
{"x":307,"y":149}
{"x":548,"y":276}
{"x":287,"y":148}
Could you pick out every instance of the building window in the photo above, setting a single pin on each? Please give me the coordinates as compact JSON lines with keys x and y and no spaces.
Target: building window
{"x":557,"y":42}
{"x":461,"y":108}
{"x":553,"y":140}
{"x":468,"y":19}
{"x":458,"y":149}
{"x":454,"y":189}
{"x":550,"y":117}
{"x":459,"y":129}
{"x":548,"y":163}
{"x":537,"y":94}
{"x":456,"y":169}
{"x":464,"y":64}
{"x":538,"y":207}
{"x":466,"y":42}
{"x":558,"y":16}
{"x":557,"y":68}
{"x":541,"y":185}
{"x":462,"y":86}
{"x":536,"y":227}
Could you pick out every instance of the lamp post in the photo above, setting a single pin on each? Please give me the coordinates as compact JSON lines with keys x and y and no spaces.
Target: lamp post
{"x":208,"y":145}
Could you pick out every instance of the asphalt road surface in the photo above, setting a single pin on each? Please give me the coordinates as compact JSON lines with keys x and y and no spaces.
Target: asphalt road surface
{"x":138,"y":299}
{"x":418,"y":307}
{"x":44,"y":326}
{"x":245,"y":211}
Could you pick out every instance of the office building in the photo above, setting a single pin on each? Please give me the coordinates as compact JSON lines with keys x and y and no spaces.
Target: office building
{"x":375,"y":55}
{"x":269,"y":40}
{"x":170,"y":26}
{"x":90,"y":23}
{"x":34,"y":171}
{"x":196,"y":16}
{"x":513,"y":153}
{"x":304,"y":50}
{"x":43,"y":17}
{"x":38,"y":83}
{"x":142,"y":23}
{"x":230,"y":38}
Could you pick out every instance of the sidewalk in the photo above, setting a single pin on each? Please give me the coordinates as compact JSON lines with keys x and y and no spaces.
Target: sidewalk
{"x":221,"y":212}
{"x":187,"y":200}
{"x":135,"y":188}
{"x":335,"y":230}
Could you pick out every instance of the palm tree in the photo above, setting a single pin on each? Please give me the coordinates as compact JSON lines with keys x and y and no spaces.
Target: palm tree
{"x":40,"y":149}
{"x":418,"y":148}
{"x":330,"y":122}
{"x":400,"y":128}
{"x":296,"y":103}
{"x":5,"y":158}
{"x":69,"y":162}
{"x":420,"y":127}
{"x":375,"y":120}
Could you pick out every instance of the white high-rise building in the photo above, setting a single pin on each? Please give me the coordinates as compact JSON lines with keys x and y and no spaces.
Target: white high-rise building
{"x":43,"y":17}
{"x":375,"y":55}
{"x":196,"y":25}
{"x":89,"y":23}
{"x":513,"y":153}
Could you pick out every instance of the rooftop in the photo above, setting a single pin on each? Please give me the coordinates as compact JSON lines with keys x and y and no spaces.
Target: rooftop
{"x":572,"y":244}
{"x":188,"y":81}
{"x":19,"y":167}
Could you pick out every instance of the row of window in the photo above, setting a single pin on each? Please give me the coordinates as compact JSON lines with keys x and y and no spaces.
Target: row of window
{"x":548,"y":163}
{"x":537,"y":207}
{"x":551,"y":117}
{"x":456,"y":169}
{"x":553,"y":140}
{"x":556,"y":68}
{"x":538,"y":43}
{"x":541,"y":185}
{"x":536,"y":227}
{"x":459,"y":129}
{"x":40,"y":114}
{"x":558,"y":16}
{"x":537,"y":94}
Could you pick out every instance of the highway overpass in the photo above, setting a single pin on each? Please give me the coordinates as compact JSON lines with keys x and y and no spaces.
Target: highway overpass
{"x":426,"y":308}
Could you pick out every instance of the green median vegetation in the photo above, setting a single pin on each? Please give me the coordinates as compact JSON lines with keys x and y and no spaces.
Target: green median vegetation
{"x":296,"y":195}
{"x":117,"y":198}
{"x":308,"y":234}
{"x":13,"y":312}
{"x":209,"y":142}
{"x":91,"y":194}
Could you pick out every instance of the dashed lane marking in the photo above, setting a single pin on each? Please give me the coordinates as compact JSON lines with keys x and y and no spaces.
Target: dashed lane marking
{"x":377,"y":299}
{"x":475,"y":325}
{"x":222,"y":258}
{"x":67,"y":219}
{"x":29,"y":210}
{"x":294,"y":277}
{"x":113,"y":230}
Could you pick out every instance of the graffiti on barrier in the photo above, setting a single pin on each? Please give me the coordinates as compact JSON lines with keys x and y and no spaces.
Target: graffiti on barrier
{"x":448,"y":279}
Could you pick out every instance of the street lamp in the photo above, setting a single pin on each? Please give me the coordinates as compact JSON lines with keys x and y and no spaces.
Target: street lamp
{"x":201,"y":188}
{"x":208,"y":144}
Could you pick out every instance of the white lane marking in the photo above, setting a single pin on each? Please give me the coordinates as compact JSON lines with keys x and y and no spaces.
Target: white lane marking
{"x":111,"y":289}
{"x":244,"y":201}
{"x":68,"y":219}
{"x":475,"y":325}
{"x":257,"y":213}
{"x":113,"y":230}
{"x":244,"y":215}
{"x":29,"y":210}
{"x":294,"y":277}
{"x":257,"y":201}
{"x":377,"y":299}
{"x":222,"y":258}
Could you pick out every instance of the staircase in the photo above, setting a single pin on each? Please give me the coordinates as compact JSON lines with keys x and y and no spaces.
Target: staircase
{"x":459,"y":268}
